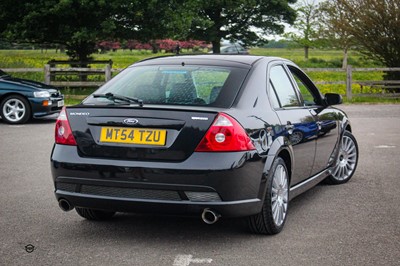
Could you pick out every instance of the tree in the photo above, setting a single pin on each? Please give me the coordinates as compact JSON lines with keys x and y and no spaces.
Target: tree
{"x":332,"y":16}
{"x":80,"y":24}
{"x":76,"y":24}
{"x":149,"y":20}
{"x":307,"y":25}
{"x":247,"y":21}
{"x":375,"y":25}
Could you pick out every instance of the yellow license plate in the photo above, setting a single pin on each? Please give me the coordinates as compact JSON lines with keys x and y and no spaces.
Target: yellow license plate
{"x":143,"y":136}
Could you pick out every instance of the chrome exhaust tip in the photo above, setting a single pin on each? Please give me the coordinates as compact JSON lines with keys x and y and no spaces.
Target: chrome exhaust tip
{"x":209,"y":216}
{"x":65,"y":205}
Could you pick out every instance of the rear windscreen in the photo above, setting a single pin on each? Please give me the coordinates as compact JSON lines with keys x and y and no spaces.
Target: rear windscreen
{"x":176,"y":85}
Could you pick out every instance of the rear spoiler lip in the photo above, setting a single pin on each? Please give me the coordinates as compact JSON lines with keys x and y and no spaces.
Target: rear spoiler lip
{"x":191,"y":108}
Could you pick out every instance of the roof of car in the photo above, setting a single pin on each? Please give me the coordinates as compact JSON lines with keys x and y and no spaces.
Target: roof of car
{"x":211,"y":59}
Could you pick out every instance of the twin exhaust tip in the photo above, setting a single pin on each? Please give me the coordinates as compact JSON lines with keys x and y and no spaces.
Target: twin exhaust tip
{"x":209,"y":216}
{"x":65,"y":205}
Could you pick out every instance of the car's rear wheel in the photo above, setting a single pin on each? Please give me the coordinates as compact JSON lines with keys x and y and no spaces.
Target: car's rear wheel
{"x":273,"y":214}
{"x":96,"y":215}
{"x":347,"y":160}
{"x":15,"y":109}
{"x":296,"y":137}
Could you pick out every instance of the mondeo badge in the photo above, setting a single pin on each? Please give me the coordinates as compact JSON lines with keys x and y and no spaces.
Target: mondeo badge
{"x":130,"y":121}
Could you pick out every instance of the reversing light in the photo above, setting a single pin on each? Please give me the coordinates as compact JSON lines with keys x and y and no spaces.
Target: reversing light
{"x":220,"y":137}
{"x":225,"y":134}
{"x":63,"y":132}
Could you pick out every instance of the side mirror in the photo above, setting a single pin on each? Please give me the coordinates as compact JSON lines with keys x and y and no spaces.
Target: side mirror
{"x":333,"y":98}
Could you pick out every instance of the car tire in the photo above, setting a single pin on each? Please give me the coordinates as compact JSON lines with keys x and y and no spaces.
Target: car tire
{"x":272,"y":217}
{"x":347,"y":161}
{"x":15,"y":109}
{"x":95,"y":215}
{"x":296,"y":137}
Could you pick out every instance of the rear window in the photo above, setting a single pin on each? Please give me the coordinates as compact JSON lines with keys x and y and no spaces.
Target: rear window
{"x":176,"y":85}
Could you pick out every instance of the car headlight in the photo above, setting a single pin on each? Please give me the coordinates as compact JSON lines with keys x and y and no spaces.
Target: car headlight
{"x":41,"y":94}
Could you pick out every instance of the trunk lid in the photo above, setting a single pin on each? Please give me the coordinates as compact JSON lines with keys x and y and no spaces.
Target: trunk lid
{"x":129,"y":133}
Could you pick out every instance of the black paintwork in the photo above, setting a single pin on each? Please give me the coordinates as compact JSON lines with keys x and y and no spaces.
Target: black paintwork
{"x":148,"y":177}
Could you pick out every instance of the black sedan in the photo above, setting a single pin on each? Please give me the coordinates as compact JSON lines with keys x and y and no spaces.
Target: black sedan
{"x":209,"y":135}
{"x":22,"y":99}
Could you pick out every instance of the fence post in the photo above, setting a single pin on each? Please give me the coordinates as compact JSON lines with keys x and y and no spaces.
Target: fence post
{"x":349,"y":81}
{"x":108,"y":72}
{"x":47,"y":74}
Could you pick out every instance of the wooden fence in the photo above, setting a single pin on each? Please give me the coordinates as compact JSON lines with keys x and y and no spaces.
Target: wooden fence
{"x":51,"y":71}
{"x":385,"y":84}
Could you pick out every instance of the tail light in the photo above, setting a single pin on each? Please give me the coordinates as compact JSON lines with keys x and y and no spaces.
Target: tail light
{"x":225,"y":134}
{"x":63,"y":134}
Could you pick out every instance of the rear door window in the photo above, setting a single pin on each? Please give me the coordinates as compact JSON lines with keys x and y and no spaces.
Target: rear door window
{"x":283,"y":87}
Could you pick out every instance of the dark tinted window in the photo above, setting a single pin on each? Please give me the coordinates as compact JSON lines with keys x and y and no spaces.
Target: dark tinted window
{"x":283,"y":87}
{"x":308,"y":98}
{"x":182,"y":85}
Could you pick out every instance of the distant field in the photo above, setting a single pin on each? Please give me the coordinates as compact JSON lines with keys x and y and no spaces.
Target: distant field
{"x":38,"y":58}
{"x":123,"y":58}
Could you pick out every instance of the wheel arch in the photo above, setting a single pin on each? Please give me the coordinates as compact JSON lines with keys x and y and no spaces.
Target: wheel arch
{"x":288,"y":159}
{"x":282,"y":150}
{"x":2,"y":97}
{"x":344,"y":122}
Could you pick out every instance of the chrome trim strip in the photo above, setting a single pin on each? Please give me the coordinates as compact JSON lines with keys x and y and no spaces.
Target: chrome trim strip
{"x":307,"y":184}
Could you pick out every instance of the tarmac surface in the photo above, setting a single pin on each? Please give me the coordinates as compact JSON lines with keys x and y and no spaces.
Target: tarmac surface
{"x":357,"y":223}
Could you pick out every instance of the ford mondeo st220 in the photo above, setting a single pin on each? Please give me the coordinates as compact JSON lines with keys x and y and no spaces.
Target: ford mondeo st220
{"x":209,"y":135}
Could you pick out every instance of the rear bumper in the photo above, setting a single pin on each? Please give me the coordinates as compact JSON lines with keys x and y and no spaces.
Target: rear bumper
{"x":231,"y":184}
{"x":226,"y":209}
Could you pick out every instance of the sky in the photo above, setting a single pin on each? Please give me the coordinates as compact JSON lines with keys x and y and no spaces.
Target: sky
{"x":289,"y":28}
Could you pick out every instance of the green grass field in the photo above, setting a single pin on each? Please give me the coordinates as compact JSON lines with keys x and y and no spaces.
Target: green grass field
{"x":122,"y":58}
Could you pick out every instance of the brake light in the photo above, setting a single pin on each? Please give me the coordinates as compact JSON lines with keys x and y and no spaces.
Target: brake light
{"x":225,"y":134}
{"x":63,"y":132}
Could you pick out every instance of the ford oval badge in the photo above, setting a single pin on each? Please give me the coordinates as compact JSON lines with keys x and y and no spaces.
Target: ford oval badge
{"x":130,"y":121}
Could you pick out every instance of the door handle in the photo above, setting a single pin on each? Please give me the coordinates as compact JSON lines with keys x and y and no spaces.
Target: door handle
{"x":319,"y":124}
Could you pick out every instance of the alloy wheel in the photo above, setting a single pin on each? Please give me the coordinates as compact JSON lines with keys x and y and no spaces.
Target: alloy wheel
{"x":14,"y":110}
{"x":279,"y":199}
{"x":347,"y":159}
